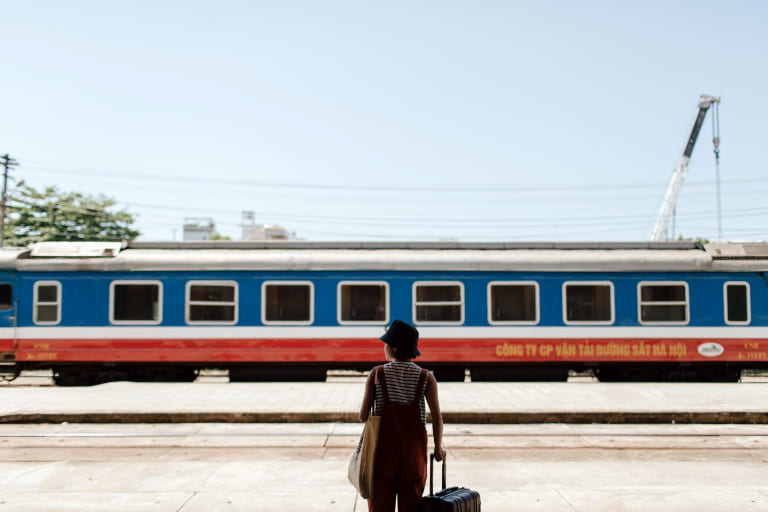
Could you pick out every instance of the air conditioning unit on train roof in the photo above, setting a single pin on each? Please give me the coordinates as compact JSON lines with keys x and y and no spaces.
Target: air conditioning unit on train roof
{"x":75,"y":249}
{"x":738,"y":250}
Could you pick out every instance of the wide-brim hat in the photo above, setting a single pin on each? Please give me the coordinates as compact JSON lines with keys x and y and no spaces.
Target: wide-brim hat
{"x":404,"y":337}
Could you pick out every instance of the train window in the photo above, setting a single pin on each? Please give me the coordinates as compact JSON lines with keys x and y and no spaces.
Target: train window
{"x":287,"y":302}
{"x":588,"y":302}
{"x":211,"y":302}
{"x":363,"y":302}
{"x":663,"y":303}
{"x":513,"y":303}
{"x":438,"y":302}
{"x":136,"y":302}
{"x":737,"y":310}
{"x":6,"y":296}
{"x":47,"y":303}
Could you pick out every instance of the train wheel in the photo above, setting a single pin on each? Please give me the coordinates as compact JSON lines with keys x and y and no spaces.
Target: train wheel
{"x":668,"y":373}
{"x":448,"y":373}
{"x":77,"y":376}
{"x":157,"y":374}
{"x":717,"y":374}
{"x":277,"y":374}
{"x":517,"y":373}
{"x":631,"y":373}
{"x":67,"y":378}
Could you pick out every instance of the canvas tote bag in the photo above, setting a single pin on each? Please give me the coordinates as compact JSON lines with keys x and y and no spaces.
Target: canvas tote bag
{"x":360,"y":470}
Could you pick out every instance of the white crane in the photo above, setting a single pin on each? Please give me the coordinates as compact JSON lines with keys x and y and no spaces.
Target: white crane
{"x":678,"y":177}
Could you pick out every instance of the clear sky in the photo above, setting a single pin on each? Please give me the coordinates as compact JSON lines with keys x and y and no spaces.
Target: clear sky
{"x":417,"y":120}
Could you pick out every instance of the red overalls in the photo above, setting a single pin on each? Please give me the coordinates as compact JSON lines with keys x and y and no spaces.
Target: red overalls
{"x":401,"y":453}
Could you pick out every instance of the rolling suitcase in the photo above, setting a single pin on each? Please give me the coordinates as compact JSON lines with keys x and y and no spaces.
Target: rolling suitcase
{"x":452,"y":499}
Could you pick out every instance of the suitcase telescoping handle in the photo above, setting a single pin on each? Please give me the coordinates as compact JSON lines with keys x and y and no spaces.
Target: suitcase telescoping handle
{"x":432,"y":474}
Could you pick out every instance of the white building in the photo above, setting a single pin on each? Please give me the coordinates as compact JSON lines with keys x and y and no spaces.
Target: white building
{"x":197,"y":229}
{"x":253,"y":231}
{"x":267,"y":232}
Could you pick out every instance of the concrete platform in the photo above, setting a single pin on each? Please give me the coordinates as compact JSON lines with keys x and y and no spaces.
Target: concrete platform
{"x":587,"y":402}
{"x":284,"y":467}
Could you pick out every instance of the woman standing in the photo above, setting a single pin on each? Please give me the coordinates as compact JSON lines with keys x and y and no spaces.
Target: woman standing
{"x":396,"y":391}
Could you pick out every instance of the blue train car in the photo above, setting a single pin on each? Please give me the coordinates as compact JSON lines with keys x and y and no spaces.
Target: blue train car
{"x":94,"y":312}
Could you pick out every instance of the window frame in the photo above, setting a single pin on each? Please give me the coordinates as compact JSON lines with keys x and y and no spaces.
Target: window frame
{"x":640,"y":302}
{"x":461,"y":303}
{"x":725,"y":303}
{"x":537,"y":304}
{"x":188,"y":302}
{"x":117,"y":282}
{"x":363,"y":322}
{"x":289,"y":322}
{"x":588,"y":322}
{"x":36,"y":302}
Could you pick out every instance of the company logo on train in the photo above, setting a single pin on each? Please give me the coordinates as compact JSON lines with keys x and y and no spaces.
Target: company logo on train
{"x":291,"y":310}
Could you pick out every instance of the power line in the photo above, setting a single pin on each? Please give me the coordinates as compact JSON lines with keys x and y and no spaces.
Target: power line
{"x":568,"y":221}
{"x":452,"y":220}
{"x":158,"y":176}
{"x":484,"y":199}
{"x":95,"y":211}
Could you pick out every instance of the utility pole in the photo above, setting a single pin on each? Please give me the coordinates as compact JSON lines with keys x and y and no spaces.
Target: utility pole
{"x":7,"y":163}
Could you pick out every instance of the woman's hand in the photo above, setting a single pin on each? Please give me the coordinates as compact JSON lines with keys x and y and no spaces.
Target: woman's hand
{"x":439,"y":454}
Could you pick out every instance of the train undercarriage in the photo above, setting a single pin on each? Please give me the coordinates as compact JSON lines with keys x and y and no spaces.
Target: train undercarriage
{"x":87,"y":374}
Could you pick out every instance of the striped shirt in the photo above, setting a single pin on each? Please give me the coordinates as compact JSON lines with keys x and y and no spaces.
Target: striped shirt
{"x":402,"y":378}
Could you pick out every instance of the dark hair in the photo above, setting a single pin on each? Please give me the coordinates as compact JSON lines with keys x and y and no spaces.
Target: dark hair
{"x":402,"y":354}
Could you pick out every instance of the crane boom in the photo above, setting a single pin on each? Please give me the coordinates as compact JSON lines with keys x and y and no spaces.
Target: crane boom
{"x":678,"y":177}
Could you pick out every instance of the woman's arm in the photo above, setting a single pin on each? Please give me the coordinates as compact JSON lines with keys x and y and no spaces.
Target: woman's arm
{"x":437,"y":418}
{"x":370,"y":384}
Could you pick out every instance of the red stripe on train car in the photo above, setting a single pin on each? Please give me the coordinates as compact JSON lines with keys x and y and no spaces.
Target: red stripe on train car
{"x":366,"y":350}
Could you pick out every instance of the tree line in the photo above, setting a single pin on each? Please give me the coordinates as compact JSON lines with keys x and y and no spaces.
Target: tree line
{"x":54,"y":215}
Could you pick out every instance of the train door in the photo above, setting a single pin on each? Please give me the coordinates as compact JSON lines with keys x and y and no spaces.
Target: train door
{"x":7,"y":317}
{"x":7,"y":329}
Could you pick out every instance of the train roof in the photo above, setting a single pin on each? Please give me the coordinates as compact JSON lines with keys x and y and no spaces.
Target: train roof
{"x":421,"y":256}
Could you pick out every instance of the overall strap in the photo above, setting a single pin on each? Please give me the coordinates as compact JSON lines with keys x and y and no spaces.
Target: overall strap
{"x":421,"y":386}
{"x":380,"y":378}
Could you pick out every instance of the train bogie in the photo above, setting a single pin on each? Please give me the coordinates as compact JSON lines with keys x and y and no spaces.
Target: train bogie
{"x":95,"y":373}
{"x":684,"y":372}
{"x":278,"y":373}
{"x":520,"y":373}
